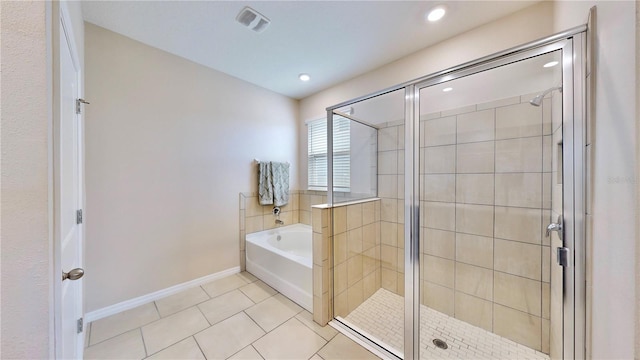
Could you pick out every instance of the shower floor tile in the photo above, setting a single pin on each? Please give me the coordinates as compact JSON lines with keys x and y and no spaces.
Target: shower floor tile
{"x":382,"y":319}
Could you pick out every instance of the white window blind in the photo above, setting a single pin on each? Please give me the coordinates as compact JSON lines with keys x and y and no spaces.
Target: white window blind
{"x":317,"y":154}
{"x":341,"y":154}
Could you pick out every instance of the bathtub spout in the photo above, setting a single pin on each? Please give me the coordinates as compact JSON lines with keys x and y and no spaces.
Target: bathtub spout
{"x":279,"y":222}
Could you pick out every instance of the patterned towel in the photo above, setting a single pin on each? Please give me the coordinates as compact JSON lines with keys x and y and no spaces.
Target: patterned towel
{"x":280,"y":183}
{"x":265,"y":183}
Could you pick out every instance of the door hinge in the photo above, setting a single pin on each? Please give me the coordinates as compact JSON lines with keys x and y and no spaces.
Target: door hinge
{"x":79,"y":103}
{"x":562,"y":256}
{"x":79,"y":216}
{"x":80,"y":325}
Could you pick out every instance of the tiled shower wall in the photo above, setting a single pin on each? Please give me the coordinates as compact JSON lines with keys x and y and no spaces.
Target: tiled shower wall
{"x":391,"y":192}
{"x":356,"y":254}
{"x":322,"y":221}
{"x":309,"y":198}
{"x":485,"y":199}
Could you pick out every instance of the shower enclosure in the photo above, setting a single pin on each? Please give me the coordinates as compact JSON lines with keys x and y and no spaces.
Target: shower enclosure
{"x":460,"y":231}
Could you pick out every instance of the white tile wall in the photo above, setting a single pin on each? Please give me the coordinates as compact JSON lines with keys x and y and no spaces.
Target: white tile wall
{"x":486,"y":193}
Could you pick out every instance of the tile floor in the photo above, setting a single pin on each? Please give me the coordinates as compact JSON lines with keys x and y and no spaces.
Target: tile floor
{"x":381,"y":316}
{"x":237,"y":317}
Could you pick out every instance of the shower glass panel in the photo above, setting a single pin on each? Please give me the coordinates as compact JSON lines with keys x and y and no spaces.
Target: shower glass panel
{"x":474,"y":245}
{"x":354,"y":159}
{"x":490,"y":183}
{"x":368,"y":235}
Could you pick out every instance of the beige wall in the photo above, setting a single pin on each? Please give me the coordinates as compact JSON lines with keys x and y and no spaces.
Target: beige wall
{"x":613,"y":142}
{"x":26,"y":116}
{"x":169,"y":146}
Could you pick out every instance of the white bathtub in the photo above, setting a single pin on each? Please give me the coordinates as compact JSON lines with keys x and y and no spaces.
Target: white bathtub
{"x":285,"y":264}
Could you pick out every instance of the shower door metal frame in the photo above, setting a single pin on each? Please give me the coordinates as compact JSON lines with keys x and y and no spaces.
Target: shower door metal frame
{"x":573,"y":123}
{"x":572,"y":43}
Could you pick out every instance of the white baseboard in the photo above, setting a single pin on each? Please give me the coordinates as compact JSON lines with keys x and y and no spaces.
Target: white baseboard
{"x":144,"y":299}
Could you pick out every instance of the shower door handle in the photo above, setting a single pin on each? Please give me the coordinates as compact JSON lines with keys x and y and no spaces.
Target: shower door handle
{"x":556,"y":227}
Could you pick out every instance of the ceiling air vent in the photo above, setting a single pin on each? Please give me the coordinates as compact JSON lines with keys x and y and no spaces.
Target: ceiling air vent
{"x":253,"y":20}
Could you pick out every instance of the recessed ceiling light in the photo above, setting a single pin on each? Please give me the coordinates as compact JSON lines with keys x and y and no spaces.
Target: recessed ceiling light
{"x":447,"y":89}
{"x":304,"y":77}
{"x":436,"y":13}
{"x":550,"y":64}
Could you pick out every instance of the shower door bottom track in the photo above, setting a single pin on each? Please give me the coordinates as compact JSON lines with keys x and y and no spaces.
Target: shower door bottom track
{"x":380,"y":317}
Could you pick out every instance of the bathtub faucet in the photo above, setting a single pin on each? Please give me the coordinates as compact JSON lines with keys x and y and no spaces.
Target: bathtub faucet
{"x":276,"y":213}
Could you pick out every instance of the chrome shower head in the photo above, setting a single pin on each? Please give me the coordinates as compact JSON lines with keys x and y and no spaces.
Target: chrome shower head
{"x":536,"y":101}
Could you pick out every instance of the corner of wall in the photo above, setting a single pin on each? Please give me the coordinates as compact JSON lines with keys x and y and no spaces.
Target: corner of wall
{"x":27,"y":311}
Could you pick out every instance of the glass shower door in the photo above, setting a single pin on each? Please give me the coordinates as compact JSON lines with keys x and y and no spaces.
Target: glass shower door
{"x":464,"y":253}
{"x":490,"y":183}
{"x":368,"y":226}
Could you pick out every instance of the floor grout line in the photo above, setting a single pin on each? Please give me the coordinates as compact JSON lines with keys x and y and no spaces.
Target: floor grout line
{"x":256,"y":350}
{"x":310,"y":328}
{"x":144,"y":344}
{"x":199,"y":347}
{"x":192,"y":305}
{"x":157,"y":310}
{"x":294,"y":315}
{"x":205,"y":316}
{"x":121,"y":333}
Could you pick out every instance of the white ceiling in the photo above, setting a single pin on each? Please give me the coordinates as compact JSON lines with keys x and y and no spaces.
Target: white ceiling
{"x":331,"y":40}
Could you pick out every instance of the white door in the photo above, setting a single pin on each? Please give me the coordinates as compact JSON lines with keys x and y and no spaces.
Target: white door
{"x":68,"y":190}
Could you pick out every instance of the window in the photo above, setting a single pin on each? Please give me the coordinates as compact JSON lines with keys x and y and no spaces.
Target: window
{"x":317,"y":154}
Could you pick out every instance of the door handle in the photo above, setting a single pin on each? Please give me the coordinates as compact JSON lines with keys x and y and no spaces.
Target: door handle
{"x":73,"y":274}
{"x":556,"y":227}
